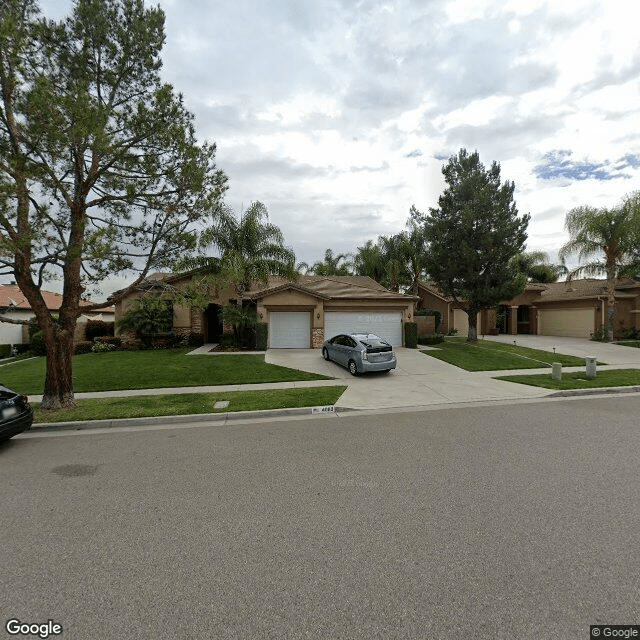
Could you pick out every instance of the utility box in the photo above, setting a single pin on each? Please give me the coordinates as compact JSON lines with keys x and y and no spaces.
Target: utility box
{"x":591,"y":367}
{"x":556,"y":371}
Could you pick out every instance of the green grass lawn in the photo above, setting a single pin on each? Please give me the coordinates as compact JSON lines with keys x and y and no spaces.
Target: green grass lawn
{"x":191,"y":403}
{"x":152,"y":370}
{"x":486,"y":355}
{"x":629,"y":343}
{"x":610,"y":378}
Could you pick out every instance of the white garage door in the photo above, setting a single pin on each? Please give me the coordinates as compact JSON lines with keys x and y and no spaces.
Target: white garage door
{"x":386,"y":324}
{"x":571,"y":323}
{"x":461,"y":322}
{"x":290,"y":330}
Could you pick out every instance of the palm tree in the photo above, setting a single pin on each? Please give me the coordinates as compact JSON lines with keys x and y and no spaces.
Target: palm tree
{"x":537,"y":267}
{"x":251,"y":248}
{"x":394,"y":253}
{"x":606,"y":239}
{"x":415,"y":249}
{"x":369,"y":261}
{"x":332,"y":265}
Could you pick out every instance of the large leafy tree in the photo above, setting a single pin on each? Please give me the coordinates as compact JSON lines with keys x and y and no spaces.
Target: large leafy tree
{"x":250,"y":250}
{"x":100,"y":170}
{"x":473,"y":236}
{"x":606,"y":241}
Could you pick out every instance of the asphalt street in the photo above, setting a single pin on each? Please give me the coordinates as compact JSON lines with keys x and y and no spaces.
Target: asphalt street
{"x":517,"y":521}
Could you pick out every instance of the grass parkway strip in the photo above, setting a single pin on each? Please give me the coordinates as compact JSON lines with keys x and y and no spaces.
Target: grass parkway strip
{"x":191,"y":404}
{"x":485,"y":355}
{"x":577,"y":380}
{"x":156,"y":369}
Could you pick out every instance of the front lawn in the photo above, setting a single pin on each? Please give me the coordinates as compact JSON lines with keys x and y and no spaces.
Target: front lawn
{"x":629,"y":343}
{"x":153,"y":370}
{"x":486,"y":355}
{"x":191,"y":403}
{"x":610,"y":378}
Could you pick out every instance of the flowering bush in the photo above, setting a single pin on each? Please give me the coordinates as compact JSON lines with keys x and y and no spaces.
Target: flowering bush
{"x":103,"y":347}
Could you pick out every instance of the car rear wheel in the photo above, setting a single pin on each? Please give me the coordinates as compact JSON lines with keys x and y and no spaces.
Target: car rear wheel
{"x":353,"y":369}
{"x":325,"y":353}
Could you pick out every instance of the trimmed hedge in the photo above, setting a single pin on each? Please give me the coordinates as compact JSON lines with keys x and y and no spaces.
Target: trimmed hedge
{"x":411,"y":335}
{"x":98,"y":328}
{"x":434,"y":338}
{"x":83,"y":347}
{"x":262,"y":335}
{"x":5,"y":350}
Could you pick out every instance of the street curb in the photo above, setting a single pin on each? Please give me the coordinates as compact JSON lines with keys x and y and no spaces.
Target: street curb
{"x":186,"y":419}
{"x":594,"y":391}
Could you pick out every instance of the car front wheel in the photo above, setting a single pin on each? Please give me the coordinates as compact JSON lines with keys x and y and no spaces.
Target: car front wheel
{"x":353,"y":369}
{"x":325,"y":353}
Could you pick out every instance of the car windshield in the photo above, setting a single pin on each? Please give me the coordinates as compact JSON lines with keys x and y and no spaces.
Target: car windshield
{"x":371,"y":340}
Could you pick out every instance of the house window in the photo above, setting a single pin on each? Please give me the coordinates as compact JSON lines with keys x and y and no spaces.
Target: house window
{"x":523,"y":315}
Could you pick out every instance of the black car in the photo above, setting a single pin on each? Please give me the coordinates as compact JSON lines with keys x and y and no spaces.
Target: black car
{"x":16,"y":414}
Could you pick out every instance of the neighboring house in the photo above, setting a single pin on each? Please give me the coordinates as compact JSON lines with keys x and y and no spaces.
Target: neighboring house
{"x":15,"y":306}
{"x":571,"y":309}
{"x":298,"y":314}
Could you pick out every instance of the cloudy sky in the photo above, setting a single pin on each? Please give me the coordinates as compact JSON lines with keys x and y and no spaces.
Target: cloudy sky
{"x":338,"y":114}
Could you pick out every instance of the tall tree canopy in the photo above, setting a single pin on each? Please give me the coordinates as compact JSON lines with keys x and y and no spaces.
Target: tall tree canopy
{"x":100,"y":170}
{"x":606,"y":241}
{"x":473,"y":236}
{"x":250,"y":249}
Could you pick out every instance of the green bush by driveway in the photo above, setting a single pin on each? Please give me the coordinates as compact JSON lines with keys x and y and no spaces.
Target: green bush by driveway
{"x":153,"y":370}
{"x":487,"y":355}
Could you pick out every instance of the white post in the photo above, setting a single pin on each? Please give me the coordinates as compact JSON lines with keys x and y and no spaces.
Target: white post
{"x":590,"y":367}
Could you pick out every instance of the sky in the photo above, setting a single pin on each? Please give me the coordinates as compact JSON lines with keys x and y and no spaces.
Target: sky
{"x":339,"y":114}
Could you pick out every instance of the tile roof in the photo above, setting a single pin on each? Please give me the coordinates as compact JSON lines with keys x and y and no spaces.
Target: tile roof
{"x":332,"y":287}
{"x":584,"y":288}
{"x":10,"y":295}
{"x":579,"y":290}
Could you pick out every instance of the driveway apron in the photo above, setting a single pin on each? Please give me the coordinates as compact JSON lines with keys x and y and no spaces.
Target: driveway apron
{"x":418,"y":381}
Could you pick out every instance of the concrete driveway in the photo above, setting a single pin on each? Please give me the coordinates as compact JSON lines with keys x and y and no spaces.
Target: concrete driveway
{"x":612,"y":354}
{"x":417,"y":382}
{"x":421,"y":381}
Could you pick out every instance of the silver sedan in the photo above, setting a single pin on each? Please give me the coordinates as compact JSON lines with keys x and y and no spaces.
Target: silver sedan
{"x":360,"y":352}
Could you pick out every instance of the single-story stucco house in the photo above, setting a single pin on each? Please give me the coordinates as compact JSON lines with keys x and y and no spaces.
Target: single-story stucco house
{"x":571,"y":309}
{"x":299,"y":314}
{"x":15,"y":306}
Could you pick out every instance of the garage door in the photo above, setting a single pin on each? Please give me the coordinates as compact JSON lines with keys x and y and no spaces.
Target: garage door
{"x":571,"y":323}
{"x":461,"y":322}
{"x":290,"y":330}
{"x":386,"y":324}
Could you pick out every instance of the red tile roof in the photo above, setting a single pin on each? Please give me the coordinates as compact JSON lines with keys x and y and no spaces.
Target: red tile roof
{"x":10,"y":295}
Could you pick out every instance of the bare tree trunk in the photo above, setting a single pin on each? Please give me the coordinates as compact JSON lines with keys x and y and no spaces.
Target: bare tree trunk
{"x":58,"y":384}
{"x":472,"y":334}
{"x":611,"y":301}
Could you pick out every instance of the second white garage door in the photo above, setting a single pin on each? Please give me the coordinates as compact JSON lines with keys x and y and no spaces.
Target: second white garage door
{"x":386,"y":324}
{"x":570,"y":323}
{"x":289,"y":329}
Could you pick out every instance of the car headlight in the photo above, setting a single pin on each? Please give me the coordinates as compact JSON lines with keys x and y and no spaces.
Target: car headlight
{"x":364,"y":354}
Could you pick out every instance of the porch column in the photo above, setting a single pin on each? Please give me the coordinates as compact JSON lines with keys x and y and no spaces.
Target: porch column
{"x":513,"y":321}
